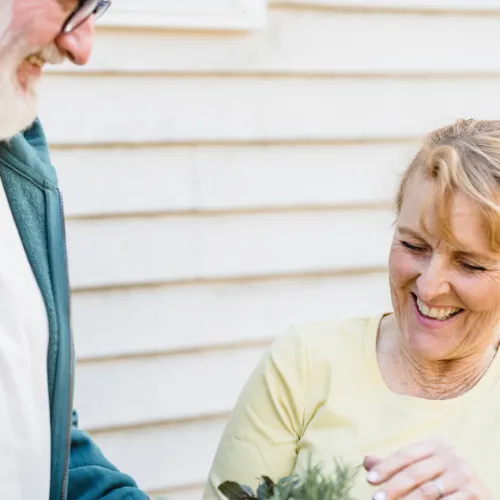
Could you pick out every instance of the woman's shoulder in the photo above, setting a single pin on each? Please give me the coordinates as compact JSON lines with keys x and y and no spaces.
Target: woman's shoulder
{"x":344,"y":333}
{"x":313,"y":358}
{"x":335,"y":329}
{"x":328,"y":340}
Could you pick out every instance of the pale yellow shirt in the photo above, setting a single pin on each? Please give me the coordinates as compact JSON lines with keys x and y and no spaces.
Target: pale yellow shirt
{"x":318,"y":393}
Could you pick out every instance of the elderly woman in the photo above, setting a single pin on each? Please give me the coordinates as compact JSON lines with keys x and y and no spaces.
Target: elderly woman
{"x":413,"y":395}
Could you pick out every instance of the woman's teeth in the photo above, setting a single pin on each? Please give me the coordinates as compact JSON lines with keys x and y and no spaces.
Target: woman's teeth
{"x":439,"y":314}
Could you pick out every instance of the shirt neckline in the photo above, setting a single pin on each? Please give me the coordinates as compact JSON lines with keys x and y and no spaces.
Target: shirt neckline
{"x":370,"y":348}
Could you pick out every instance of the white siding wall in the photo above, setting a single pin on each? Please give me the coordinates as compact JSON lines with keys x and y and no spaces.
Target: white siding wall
{"x":224,"y":180}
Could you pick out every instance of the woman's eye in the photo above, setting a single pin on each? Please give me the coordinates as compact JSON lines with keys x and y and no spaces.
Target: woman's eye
{"x":413,"y":248}
{"x":472,"y":267}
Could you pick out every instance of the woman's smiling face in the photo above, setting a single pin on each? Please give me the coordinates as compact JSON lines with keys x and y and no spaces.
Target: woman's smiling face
{"x":446,"y":297}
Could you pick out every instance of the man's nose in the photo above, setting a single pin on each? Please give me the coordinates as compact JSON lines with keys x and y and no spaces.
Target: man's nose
{"x":433,"y":280}
{"x":77,"y":45}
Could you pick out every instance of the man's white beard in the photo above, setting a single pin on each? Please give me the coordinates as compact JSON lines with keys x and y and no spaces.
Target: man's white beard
{"x":18,"y":107}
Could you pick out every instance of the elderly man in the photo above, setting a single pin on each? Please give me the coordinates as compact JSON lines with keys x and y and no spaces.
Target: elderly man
{"x":43,"y":455}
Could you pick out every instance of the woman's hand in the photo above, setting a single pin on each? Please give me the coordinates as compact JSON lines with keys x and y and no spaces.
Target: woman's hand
{"x":424,"y":471}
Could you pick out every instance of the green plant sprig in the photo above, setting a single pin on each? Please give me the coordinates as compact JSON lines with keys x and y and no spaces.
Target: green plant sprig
{"x":314,"y":485}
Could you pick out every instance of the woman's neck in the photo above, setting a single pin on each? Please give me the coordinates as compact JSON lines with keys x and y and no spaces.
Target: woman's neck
{"x":410,"y":375}
{"x":442,"y":379}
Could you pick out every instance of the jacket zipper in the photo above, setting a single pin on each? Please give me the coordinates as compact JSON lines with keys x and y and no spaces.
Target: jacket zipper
{"x":64,"y":486}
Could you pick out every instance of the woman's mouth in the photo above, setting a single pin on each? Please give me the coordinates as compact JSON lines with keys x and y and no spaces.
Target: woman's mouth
{"x":435,"y":313}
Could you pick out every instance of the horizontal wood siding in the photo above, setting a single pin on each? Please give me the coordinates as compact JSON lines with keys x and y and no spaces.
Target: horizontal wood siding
{"x":445,"y":6}
{"x":229,"y":178}
{"x":222,"y":184}
{"x":213,"y":109}
{"x":163,"y":249}
{"x":179,"y":318}
{"x":341,"y":43}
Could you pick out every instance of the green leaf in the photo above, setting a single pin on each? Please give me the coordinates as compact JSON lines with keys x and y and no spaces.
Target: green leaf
{"x":266,"y":489}
{"x":234,"y":491}
{"x":248,"y":491}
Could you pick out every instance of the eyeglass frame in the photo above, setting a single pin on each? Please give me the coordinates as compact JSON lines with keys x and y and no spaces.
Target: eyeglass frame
{"x":101,"y":7}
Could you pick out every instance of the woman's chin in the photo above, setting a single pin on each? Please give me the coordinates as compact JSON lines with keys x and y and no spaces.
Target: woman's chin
{"x":428,"y":337}
{"x":427,"y":349}
{"x":428,"y":345}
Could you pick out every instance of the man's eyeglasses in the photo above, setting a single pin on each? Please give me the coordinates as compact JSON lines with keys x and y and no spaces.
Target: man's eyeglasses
{"x":85,"y":9}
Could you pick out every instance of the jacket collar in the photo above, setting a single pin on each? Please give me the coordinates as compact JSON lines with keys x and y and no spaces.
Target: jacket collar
{"x":28,"y":152}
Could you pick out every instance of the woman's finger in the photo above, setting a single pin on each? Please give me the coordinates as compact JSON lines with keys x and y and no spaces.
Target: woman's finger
{"x":419,"y":475}
{"x":440,"y":487}
{"x":400,"y":460}
{"x":371,"y":461}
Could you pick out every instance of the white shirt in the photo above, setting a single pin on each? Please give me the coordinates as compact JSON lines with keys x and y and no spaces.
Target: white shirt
{"x":24,"y":399}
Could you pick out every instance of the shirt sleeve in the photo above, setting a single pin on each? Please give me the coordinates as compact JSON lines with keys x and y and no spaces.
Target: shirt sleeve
{"x":264,"y":429}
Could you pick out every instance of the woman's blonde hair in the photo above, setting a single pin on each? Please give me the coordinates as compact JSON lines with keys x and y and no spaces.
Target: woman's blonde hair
{"x":465,"y":157}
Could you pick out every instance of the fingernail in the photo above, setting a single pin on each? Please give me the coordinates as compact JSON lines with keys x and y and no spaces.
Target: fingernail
{"x":373,"y":477}
{"x":380,"y":495}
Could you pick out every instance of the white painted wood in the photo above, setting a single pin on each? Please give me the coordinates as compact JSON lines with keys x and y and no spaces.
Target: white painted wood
{"x":474,"y":5}
{"x":112,"y":181}
{"x":191,"y":494}
{"x":340,"y":42}
{"x":133,"y":391}
{"x":162,"y":458}
{"x":128,"y":251}
{"x":185,"y":317}
{"x":101,"y":181}
{"x":141,"y":109}
{"x":206,"y":14}
{"x":194,"y":495}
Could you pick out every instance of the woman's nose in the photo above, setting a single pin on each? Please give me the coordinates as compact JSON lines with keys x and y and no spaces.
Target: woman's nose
{"x":433,"y":280}
{"x":77,"y":45}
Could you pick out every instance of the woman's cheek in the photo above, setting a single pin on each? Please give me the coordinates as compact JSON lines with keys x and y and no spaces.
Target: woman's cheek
{"x":402,"y":268}
{"x":479,"y":293}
